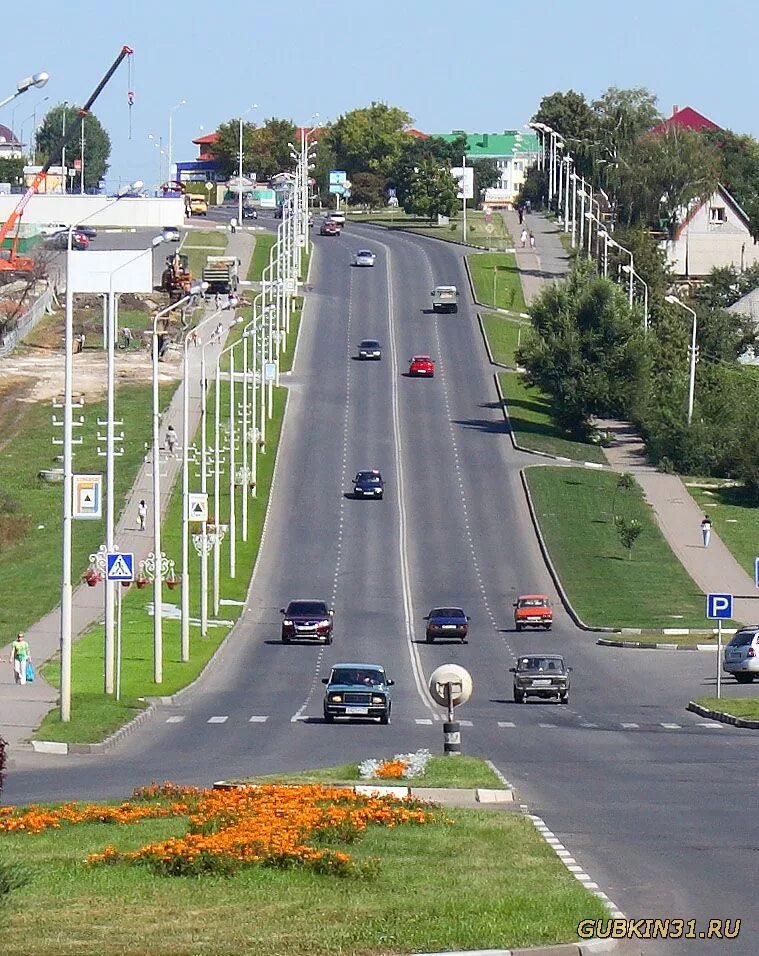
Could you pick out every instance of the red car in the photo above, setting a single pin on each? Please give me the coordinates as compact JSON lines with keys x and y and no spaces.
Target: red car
{"x":329,"y":228}
{"x":421,"y":365}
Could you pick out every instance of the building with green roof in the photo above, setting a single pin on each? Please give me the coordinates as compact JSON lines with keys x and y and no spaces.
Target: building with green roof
{"x":514,"y":152}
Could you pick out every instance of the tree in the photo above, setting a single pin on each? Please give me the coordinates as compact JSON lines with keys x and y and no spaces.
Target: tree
{"x":725,"y":285}
{"x":664,"y":174}
{"x":623,"y":116}
{"x":571,"y":115}
{"x":486,"y":174}
{"x":369,"y":139}
{"x":413,"y":152}
{"x":368,"y":189}
{"x":587,"y":351}
{"x":12,"y":171}
{"x":97,"y":143}
{"x":628,"y":530}
{"x":265,"y":149}
{"x":432,"y":191}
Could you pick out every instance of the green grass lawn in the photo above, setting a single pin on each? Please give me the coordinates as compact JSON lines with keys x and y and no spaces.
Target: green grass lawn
{"x":95,"y":716}
{"x":199,"y":245}
{"x":736,"y":520}
{"x":470,"y":879}
{"x":260,"y":258}
{"x":504,"y":336}
{"x":574,"y":508}
{"x":533,"y":424}
{"x":746,"y":707}
{"x":30,"y":509}
{"x":49,"y":332}
{"x":478,"y":233}
{"x":461,"y":772}
{"x":496,"y":280}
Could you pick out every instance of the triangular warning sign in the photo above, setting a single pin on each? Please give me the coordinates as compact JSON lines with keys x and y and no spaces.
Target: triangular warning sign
{"x":120,"y":568}
{"x":88,"y":498}
{"x":198,"y":508}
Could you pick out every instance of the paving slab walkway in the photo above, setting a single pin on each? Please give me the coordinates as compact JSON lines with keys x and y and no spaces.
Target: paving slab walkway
{"x":23,"y":707}
{"x":713,"y":569}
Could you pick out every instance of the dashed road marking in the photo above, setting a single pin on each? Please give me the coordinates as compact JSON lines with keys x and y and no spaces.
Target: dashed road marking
{"x":217,"y":720}
{"x":255,"y":719}
{"x":425,"y":721}
{"x":671,"y":726}
{"x":506,"y":723}
{"x":631,"y":726}
{"x":176,"y":719}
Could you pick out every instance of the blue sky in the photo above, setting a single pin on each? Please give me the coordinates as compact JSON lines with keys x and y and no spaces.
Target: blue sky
{"x":482,"y":65}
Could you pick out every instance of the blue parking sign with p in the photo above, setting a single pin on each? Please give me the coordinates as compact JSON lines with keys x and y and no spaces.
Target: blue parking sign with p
{"x":719,"y":606}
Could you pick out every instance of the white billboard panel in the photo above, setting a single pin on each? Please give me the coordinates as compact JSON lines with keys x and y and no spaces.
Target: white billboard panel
{"x":464,"y":176}
{"x":114,"y":270}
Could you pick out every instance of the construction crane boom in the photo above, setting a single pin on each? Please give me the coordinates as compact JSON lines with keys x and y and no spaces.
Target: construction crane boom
{"x":72,"y":135}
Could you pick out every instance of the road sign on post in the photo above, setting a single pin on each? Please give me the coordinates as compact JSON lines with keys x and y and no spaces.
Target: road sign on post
{"x":719,"y":606}
{"x":119,"y":566}
{"x":197,"y":506}
{"x":88,"y":497}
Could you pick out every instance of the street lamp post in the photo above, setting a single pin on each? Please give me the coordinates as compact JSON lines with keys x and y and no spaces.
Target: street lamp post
{"x":38,"y":80}
{"x":631,"y":271}
{"x":673,"y":300}
{"x":171,"y":133}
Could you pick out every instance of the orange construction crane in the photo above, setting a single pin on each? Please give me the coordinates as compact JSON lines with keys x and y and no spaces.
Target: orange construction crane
{"x":14,"y":262}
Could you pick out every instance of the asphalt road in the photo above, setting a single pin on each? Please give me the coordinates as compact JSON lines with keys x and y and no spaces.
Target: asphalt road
{"x":652,"y":801}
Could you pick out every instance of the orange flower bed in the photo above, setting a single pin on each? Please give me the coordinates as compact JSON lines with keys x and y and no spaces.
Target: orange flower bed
{"x":391,"y":769}
{"x":272,"y":825}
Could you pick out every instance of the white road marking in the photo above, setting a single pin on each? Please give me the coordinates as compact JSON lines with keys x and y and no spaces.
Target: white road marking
{"x":587,"y":723}
{"x":176,"y":719}
{"x":257,"y":720}
{"x":506,"y":723}
{"x":217,"y":720}
{"x":631,"y":726}
{"x":546,"y":725}
{"x":711,"y":725}
{"x":466,"y":723}
{"x":671,"y":726}
{"x":426,"y":721}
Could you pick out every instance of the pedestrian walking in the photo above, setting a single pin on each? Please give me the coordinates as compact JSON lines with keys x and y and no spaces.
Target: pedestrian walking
{"x":706,"y":530}
{"x":520,"y":213}
{"x":20,"y":656}
{"x":523,"y":237}
{"x":233,"y":225}
{"x":79,"y":343}
{"x":127,"y":335}
{"x":194,"y":337}
{"x":528,"y":206}
{"x":217,"y":301}
{"x":171,"y":440}
{"x":218,"y":332}
{"x":532,"y":240}
{"x":142,"y":513}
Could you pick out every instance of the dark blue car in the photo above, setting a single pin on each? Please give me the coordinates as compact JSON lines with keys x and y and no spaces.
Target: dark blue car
{"x":447,"y":623}
{"x":357,"y":690}
{"x":368,"y":484}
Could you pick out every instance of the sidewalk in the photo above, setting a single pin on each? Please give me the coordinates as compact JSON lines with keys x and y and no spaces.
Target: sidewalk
{"x":713,"y":569}
{"x":22,"y":708}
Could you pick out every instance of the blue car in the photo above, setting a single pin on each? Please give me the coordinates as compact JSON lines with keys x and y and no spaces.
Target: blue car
{"x":447,"y":623}
{"x":368,"y":484}
{"x":357,"y":690}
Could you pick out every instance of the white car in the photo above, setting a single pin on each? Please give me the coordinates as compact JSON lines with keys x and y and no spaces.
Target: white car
{"x":741,"y":656}
{"x":170,"y":234}
{"x":364,"y":257}
{"x":51,"y":228}
{"x":338,"y":217}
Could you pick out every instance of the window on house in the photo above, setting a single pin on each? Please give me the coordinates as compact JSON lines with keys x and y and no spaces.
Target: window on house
{"x":518,"y":165}
{"x":717,"y":214}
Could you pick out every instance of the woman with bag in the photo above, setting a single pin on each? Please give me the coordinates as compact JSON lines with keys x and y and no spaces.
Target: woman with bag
{"x":21,"y":658}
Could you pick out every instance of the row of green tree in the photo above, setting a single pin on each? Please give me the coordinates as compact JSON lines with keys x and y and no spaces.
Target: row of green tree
{"x":374,"y":148}
{"x":590,"y":353}
{"x":650,"y":178}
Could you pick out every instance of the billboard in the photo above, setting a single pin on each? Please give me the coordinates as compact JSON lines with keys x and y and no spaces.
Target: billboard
{"x":114,"y":270}
{"x":337,"y":181}
{"x":464,"y":176}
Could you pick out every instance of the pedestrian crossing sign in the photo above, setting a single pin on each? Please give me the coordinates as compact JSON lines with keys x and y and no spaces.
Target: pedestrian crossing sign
{"x":119,"y":567}
{"x":87,"y":492}
{"x":197,"y":506}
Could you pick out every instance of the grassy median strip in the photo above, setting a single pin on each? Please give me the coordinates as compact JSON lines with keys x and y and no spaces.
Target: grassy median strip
{"x":746,"y":707}
{"x":457,"y":879}
{"x":533,"y":424}
{"x":95,"y":715}
{"x":496,"y":280}
{"x":575,"y":508}
{"x":505,"y":335}
{"x":479,"y":231}
{"x":260,"y":258}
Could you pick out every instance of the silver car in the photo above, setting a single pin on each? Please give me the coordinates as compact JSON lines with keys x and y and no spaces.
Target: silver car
{"x":364,"y":257}
{"x":741,"y":656}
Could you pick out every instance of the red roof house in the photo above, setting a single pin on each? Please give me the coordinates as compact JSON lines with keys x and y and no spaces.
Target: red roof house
{"x":685,"y":118}
{"x":205,"y":146}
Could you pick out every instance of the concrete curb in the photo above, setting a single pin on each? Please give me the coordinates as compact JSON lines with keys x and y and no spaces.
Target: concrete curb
{"x":549,"y":564}
{"x":421,"y":235}
{"x":724,"y":718}
{"x":480,"y":795}
{"x":658,"y":646}
{"x":492,"y":361}
{"x":591,"y":947}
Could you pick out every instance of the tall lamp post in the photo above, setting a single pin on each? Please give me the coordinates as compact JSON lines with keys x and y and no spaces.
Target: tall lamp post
{"x":673,"y":300}
{"x":635,"y":275}
{"x":171,"y":133}
{"x":38,"y":80}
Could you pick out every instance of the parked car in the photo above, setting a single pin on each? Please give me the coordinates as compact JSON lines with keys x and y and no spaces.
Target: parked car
{"x":89,"y":231}
{"x":171,"y":234}
{"x":311,"y":619}
{"x":369,"y":349}
{"x":741,"y":656}
{"x":421,"y":365}
{"x":533,"y":610}
{"x":368,"y":484}
{"x":329,"y":228}
{"x":447,"y":623}
{"x":51,"y":228}
{"x":198,"y":206}
{"x":357,"y":690}
{"x":364,"y":257}
{"x":541,"y":675}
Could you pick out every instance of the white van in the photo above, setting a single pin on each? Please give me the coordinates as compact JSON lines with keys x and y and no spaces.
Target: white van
{"x":445,"y":298}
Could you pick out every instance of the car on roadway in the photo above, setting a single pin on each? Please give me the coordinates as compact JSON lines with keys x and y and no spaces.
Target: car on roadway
{"x":357,"y":690}
{"x":278,"y":211}
{"x":89,"y":231}
{"x":421,"y":365}
{"x":741,"y":656}
{"x":338,"y":217}
{"x":368,"y":484}
{"x":369,"y":349}
{"x":449,"y":623}
{"x":364,"y":257}
{"x":532,"y":610}
{"x":307,"y":619}
{"x":249,"y":212}
{"x":52,"y":228}
{"x":541,"y":675}
{"x":329,"y":228}
{"x":60,"y":240}
{"x":170,"y":234}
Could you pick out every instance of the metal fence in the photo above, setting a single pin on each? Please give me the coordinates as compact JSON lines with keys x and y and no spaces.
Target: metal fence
{"x":26,"y":322}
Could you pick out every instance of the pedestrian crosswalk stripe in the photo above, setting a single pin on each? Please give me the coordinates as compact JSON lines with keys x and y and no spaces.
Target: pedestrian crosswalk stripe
{"x":506,"y":723}
{"x":257,"y":720}
{"x":631,"y":726}
{"x":546,"y":725}
{"x":217,"y":720}
{"x":176,"y":719}
{"x":671,"y":726}
{"x":423,"y":720}
{"x":466,"y":723}
{"x":711,"y":724}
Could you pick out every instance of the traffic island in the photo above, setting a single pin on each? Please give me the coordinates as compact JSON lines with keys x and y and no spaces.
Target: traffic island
{"x":737,"y":711}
